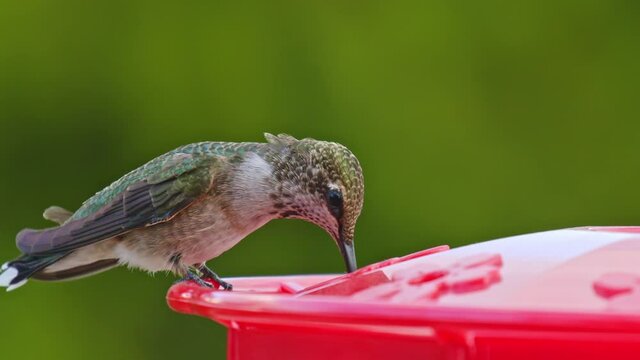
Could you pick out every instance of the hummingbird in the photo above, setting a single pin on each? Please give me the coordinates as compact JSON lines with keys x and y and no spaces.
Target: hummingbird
{"x":191,"y":204}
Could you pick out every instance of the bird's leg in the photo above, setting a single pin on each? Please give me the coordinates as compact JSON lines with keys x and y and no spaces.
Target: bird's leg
{"x":186,"y":271}
{"x":191,"y":275}
{"x":209,"y":274}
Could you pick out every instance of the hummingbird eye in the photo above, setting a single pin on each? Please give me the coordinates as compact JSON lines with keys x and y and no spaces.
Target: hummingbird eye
{"x":334,"y":202}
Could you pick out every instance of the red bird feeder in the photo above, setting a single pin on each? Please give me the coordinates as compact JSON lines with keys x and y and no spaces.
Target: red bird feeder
{"x":566,"y":294}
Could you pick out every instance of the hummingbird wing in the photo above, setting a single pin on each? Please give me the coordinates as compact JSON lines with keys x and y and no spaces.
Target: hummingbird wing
{"x":155,"y":198}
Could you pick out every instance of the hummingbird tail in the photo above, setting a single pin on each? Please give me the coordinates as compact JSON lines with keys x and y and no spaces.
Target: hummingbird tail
{"x":14,"y":274}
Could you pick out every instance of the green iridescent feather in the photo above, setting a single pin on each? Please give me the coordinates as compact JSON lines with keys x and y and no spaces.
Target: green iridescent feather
{"x":183,"y":159}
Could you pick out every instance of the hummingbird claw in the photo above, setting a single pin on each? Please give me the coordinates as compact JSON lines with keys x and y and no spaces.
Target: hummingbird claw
{"x":210,"y":274}
{"x":195,"y":278}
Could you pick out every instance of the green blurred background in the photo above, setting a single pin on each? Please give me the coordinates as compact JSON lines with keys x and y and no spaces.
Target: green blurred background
{"x":472,"y":120}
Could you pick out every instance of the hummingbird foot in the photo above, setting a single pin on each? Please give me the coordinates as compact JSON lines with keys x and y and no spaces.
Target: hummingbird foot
{"x":210,"y":274}
{"x":192,"y":276}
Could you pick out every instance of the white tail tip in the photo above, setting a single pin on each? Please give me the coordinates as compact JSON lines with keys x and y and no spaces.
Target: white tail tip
{"x":16,"y":285}
{"x":7,"y":277}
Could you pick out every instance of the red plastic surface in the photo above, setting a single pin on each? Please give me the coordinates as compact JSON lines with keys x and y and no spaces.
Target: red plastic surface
{"x":556,"y":295}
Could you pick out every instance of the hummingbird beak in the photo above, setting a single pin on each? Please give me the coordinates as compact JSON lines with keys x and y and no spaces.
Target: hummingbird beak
{"x":348,"y":251}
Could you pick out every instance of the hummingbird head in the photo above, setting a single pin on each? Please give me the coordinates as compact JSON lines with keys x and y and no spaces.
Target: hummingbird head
{"x":320,"y":182}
